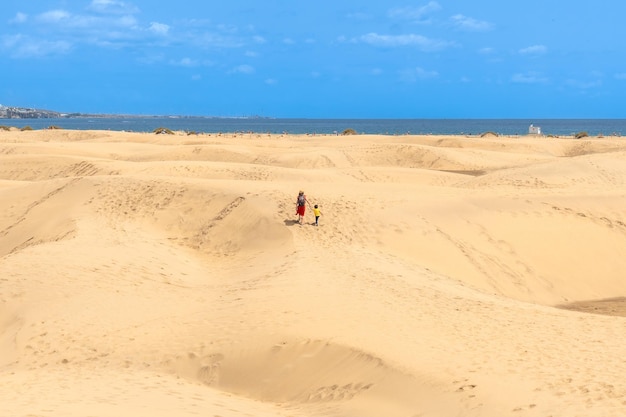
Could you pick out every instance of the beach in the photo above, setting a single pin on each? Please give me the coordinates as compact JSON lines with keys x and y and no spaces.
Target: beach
{"x":166,"y":275}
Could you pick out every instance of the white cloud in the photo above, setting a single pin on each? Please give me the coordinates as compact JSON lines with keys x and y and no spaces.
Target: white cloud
{"x":112,"y":6}
{"x":155,"y":58}
{"x":186,"y":62}
{"x":529,"y":78}
{"x":470,"y":24}
{"x":534,"y":50}
{"x":54,"y":16}
{"x":243,"y":69}
{"x":159,"y":28}
{"x":289,"y":41}
{"x":422,"y":42}
{"x":9,"y":42}
{"x":126,"y":21}
{"x":418,"y":73}
{"x":271,"y":81}
{"x":88,"y":23}
{"x":232,"y":29}
{"x":414,"y":13}
{"x":20,"y":46}
{"x":620,"y":76}
{"x":115,"y":24}
{"x":109,"y":31}
{"x":20,"y":18}
{"x":191,"y":63}
{"x":486,"y":51}
{"x":359,"y":16}
{"x":583,"y":85}
{"x":216,"y":40}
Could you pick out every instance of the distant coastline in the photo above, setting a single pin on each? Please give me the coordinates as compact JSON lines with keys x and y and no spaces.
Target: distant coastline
{"x":215,"y":125}
{"x":19,"y":117}
{"x":9,"y":112}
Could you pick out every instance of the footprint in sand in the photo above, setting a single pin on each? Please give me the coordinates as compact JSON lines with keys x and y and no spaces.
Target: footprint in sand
{"x":338,"y":393}
{"x":465,"y":387}
{"x":208,"y":372}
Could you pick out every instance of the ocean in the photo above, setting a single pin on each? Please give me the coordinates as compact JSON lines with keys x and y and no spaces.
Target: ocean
{"x":555,"y":127}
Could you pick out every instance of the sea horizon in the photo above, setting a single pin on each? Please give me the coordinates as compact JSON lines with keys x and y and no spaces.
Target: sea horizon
{"x":388,"y":126}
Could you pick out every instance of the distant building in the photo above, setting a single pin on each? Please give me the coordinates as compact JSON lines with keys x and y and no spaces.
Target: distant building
{"x":26,"y":113}
{"x":534,"y":130}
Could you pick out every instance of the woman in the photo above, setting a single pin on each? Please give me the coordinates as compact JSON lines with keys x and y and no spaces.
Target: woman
{"x":301,"y":203}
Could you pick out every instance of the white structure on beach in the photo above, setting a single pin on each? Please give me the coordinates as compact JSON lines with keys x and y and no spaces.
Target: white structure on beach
{"x":534,"y":130}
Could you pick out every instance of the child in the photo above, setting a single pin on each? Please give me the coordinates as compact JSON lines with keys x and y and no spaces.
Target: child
{"x":317,"y":213}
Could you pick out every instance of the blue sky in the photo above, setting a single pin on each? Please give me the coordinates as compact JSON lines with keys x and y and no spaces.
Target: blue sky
{"x":326,"y":59}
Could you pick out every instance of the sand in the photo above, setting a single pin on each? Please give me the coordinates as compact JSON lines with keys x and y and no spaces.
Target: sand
{"x":165,"y":275}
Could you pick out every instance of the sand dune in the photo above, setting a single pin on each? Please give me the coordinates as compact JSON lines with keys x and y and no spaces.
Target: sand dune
{"x":166,"y":275}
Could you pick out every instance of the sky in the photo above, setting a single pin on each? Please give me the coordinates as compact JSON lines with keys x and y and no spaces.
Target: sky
{"x":316,"y":59}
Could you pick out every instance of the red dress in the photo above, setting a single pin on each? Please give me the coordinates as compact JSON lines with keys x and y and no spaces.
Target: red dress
{"x":301,"y":204}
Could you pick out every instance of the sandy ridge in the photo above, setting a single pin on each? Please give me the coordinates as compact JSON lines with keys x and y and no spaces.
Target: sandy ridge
{"x":156,"y":274}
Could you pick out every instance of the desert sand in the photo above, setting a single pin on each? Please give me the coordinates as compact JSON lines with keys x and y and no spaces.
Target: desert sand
{"x":165,"y":275}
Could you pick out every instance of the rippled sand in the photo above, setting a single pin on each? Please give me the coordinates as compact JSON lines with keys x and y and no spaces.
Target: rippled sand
{"x":166,"y":275}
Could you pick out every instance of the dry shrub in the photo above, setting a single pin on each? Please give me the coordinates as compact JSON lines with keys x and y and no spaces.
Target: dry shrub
{"x":162,"y":131}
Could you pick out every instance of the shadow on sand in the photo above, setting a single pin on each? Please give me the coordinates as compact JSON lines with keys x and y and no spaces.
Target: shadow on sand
{"x":609,"y":306}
